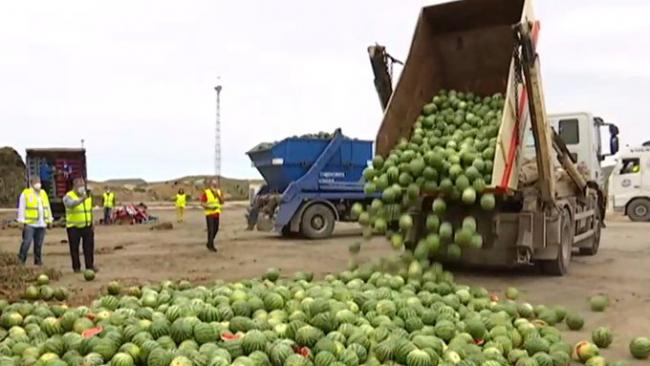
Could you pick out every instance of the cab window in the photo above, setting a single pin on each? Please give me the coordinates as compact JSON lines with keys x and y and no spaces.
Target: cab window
{"x":569,"y":131}
{"x":630,"y":166}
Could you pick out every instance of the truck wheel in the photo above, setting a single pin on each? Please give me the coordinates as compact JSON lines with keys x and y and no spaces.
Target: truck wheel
{"x":638,"y":210}
{"x":317,"y":222}
{"x":560,"y":265}
{"x":595,"y":241}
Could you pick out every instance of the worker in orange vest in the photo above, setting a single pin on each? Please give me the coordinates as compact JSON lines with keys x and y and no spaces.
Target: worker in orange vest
{"x":212,"y":201}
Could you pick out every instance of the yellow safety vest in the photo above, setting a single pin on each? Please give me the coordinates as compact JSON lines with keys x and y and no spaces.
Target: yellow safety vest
{"x":181,"y":199}
{"x":109,"y":199}
{"x":80,"y":215}
{"x":31,"y":206}
{"x":213,"y":205}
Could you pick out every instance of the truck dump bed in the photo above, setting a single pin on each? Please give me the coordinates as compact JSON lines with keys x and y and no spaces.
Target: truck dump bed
{"x":290,"y":159}
{"x":465,"y":46}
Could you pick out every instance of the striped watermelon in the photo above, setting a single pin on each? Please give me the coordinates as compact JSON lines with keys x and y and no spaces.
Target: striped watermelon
{"x":308,"y":336}
{"x":273,"y":301}
{"x":241,"y":308}
{"x":253,"y":340}
{"x":418,"y":358}
{"x":51,"y":326}
{"x":204,"y":333}
{"x":106,"y":348}
{"x":260,"y":358}
{"x":159,"y":357}
{"x":181,"y":361}
{"x":181,"y":329}
{"x":93,"y":359}
{"x":122,"y":359}
{"x":160,"y":327}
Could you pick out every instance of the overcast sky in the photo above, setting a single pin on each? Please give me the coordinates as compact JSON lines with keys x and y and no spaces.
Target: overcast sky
{"x":135,"y":78}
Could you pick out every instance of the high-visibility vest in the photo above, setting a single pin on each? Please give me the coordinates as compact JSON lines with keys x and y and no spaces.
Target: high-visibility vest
{"x":213,"y":205}
{"x":109,"y":199}
{"x":181,"y":199}
{"x":80,"y":215}
{"x":31,"y":206}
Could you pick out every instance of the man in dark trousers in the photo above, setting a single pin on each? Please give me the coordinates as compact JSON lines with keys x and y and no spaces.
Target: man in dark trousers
{"x":211,"y":201}
{"x":79,"y":224}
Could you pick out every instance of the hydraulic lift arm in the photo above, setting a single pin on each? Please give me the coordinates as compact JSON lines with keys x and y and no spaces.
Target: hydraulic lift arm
{"x":382,"y":67}
{"x":539,"y":124}
{"x":546,"y":139}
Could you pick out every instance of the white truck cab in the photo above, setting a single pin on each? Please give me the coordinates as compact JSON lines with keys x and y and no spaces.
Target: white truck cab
{"x":581,"y":133}
{"x":630,"y":183}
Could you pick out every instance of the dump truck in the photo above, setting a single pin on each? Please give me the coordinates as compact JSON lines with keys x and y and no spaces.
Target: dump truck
{"x":57,"y":168}
{"x":309,"y":184}
{"x":488,"y":47}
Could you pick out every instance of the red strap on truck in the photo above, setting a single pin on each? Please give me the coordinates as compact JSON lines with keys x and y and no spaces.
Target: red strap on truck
{"x":514,"y":139}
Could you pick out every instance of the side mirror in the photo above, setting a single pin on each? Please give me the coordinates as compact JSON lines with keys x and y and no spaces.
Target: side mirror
{"x":613,"y":143}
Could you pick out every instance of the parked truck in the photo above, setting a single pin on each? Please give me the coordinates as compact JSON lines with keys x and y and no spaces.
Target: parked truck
{"x":630,"y":183}
{"x":310,"y":183}
{"x":488,"y":47}
{"x":57,"y":168}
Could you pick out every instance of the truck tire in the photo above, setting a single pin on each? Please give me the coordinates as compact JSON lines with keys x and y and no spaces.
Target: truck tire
{"x":595,"y":240}
{"x":317,"y":222}
{"x":560,"y":265}
{"x":638,"y":209}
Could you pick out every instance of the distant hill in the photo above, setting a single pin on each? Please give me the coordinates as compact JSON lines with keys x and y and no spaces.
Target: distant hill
{"x":139,"y":190}
{"x":134,"y":181}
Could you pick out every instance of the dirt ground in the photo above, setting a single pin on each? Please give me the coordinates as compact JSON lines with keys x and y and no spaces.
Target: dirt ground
{"x":136,"y":254}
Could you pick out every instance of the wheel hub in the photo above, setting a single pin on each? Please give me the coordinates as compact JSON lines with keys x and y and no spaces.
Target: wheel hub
{"x":640,"y":210}
{"x":317,"y":222}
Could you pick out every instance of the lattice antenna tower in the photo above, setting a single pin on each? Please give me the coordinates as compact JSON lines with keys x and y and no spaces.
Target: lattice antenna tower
{"x":217,"y":135}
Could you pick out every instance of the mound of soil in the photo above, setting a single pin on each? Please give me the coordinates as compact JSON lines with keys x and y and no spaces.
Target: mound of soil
{"x":12,"y":177}
{"x":15,"y":276}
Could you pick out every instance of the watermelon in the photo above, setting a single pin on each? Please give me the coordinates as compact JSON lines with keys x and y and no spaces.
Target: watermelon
{"x":89,"y":275}
{"x":598,"y":302}
{"x":432,"y":223}
{"x":356,"y":210}
{"x":42,"y":279}
{"x":512,"y":293}
{"x":597,"y":361}
{"x":122,"y":359}
{"x":469,"y":196}
{"x":488,"y":201}
{"x":445,"y":231}
{"x":574,"y":321}
{"x":439,"y":206}
{"x":640,"y":348}
{"x":405,"y":222}
{"x":602,"y":337}
{"x":584,"y":350}
{"x":454,"y":252}
{"x":418,"y":358}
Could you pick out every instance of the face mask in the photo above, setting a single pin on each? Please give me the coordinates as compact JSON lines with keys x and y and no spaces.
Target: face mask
{"x":37,"y":186}
{"x":81,"y":190}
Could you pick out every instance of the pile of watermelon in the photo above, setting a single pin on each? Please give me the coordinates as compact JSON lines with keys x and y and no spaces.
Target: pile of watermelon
{"x":449,"y":155}
{"x":42,"y":290}
{"x":395,"y":312}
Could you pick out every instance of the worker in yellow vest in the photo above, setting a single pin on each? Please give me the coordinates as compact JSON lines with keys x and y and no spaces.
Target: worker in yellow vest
{"x":211,"y":201}
{"x":34,"y":214}
{"x":181,"y":201}
{"x":108,"y":204}
{"x":79,"y":225}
